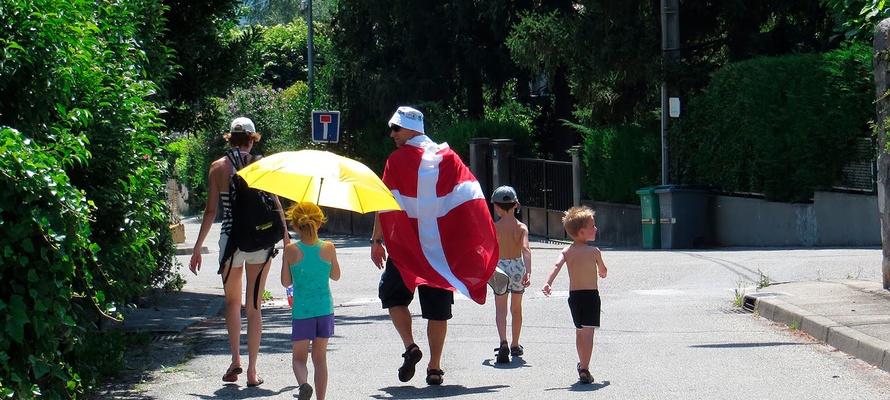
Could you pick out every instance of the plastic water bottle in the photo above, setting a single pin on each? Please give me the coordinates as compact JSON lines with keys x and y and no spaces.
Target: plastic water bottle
{"x":290,"y":295}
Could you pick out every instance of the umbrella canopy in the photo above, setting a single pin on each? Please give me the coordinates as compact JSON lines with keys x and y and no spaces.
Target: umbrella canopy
{"x":320,"y":177}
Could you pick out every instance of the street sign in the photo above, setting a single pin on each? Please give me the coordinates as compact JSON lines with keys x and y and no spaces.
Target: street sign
{"x":325,"y":126}
{"x":674,"y":107}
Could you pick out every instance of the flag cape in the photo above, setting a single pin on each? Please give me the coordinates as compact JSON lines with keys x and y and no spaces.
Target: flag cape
{"x":444,"y":236}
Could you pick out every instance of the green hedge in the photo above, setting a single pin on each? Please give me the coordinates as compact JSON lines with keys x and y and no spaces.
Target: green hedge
{"x":85,"y":223}
{"x":619,"y":160}
{"x":780,"y":126}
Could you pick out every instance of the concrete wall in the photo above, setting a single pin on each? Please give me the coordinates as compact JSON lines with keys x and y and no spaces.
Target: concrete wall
{"x":618,"y":225}
{"x":834,"y":219}
{"x":847,"y":219}
{"x":346,"y":222}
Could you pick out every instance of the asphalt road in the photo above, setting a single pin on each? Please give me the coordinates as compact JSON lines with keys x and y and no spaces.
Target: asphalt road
{"x":669,"y":331}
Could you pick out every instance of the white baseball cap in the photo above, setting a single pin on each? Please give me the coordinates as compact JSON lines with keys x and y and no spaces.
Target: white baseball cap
{"x":408,"y":118}
{"x":242,"y":124}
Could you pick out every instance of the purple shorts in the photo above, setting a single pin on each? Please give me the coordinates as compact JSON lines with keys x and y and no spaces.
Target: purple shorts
{"x":311,"y":328}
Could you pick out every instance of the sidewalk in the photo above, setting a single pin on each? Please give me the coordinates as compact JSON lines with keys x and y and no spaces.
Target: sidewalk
{"x":200,"y":299}
{"x":851,"y":316}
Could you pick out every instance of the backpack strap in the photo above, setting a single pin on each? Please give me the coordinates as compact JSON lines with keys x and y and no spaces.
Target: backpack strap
{"x":234,"y":156}
{"x":256,"y":285}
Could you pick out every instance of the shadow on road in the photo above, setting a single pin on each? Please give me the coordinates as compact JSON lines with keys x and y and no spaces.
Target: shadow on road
{"x":235,"y":391}
{"x":748,"y":345}
{"x":513,"y":364}
{"x":433,"y":392}
{"x":581,"y":387}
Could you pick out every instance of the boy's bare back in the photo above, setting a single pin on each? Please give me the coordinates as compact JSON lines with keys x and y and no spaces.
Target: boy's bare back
{"x":511,"y":235}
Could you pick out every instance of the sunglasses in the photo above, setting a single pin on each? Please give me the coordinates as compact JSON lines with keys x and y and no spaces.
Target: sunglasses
{"x":395,"y":128}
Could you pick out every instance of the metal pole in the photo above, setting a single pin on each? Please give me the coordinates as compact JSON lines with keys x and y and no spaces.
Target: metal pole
{"x":670,"y":48}
{"x":575,"y":151}
{"x":664,"y":132}
{"x":310,"y":59}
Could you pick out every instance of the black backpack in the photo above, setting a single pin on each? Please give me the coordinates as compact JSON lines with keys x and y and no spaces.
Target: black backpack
{"x":256,"y":219}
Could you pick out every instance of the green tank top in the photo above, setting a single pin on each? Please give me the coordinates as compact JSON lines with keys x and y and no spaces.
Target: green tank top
{"x":312,"y":291}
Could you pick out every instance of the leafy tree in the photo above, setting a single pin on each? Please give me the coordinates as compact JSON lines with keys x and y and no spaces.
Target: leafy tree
{"x":211,"y":56}
{"x":411,"y":52}
{"x":856,"y":19}
{"x":283,"y":12}
{"x":85,"y":225}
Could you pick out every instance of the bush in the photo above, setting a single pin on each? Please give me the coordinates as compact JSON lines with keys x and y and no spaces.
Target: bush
{"x":85,"y":223}
{"x":458,"y":134}
{"x":781,"y":126}
{"x":619,"y":160}
{"x":47,"y":263}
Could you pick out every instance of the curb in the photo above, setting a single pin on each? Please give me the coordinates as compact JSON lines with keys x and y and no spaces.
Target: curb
{"x":187,"y":251}
{"x":848,"y":340}
{"x":213,"y":309}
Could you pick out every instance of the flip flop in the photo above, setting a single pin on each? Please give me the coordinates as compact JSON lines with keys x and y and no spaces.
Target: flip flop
{"x":232,"y":373}
{"x":255,"y":384}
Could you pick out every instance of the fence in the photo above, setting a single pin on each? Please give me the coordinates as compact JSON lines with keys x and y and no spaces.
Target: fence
{"x":546,"y":188}
{"x":861,"y":176}
{"x":543,"y":183}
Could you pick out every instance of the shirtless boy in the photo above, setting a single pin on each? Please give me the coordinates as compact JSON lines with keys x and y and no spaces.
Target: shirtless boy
{"x":513,"y":271}
{"x":584,"y":263}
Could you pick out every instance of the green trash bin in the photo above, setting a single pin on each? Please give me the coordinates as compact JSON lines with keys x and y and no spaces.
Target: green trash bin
{"x":650,"y":217}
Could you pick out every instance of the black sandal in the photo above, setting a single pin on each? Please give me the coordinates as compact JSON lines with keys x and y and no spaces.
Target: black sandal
{"x":412,"y":356}
{"x":434,"y":377}
{"x":584,"y":375}
{"x":503,"y":353}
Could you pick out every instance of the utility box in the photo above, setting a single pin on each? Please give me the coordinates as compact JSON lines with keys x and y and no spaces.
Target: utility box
{"x":684,"y":216}
{"x":650,"y":217}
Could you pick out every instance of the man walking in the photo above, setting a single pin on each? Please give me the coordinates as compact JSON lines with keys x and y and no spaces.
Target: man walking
{"x":442,"y":241}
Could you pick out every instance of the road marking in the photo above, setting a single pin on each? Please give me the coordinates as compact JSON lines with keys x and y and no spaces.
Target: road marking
{"x":660,"y":292}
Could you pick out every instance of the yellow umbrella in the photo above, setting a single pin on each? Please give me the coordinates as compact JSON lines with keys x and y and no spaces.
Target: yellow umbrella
{"x":320,"y":177}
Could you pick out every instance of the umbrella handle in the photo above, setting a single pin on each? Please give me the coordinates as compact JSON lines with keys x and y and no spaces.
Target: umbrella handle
{"x":318,"y":197}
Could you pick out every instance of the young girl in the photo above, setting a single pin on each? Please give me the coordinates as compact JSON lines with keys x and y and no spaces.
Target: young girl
{"x":308,"y":264}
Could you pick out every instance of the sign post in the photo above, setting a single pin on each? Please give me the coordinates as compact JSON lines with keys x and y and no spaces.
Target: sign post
{"x":325,"y":126}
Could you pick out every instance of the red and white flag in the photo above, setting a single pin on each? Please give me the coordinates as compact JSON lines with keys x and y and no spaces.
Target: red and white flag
{"x":444,"y":236}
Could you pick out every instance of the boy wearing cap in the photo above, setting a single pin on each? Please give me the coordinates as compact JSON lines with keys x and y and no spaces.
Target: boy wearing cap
{"x":513,"y":271}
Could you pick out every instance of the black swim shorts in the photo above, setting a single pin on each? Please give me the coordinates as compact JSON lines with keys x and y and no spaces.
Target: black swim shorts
{"x":435,"y":303}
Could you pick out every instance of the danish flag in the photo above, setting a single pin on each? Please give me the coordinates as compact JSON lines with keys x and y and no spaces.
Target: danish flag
{"x":444,"y":236}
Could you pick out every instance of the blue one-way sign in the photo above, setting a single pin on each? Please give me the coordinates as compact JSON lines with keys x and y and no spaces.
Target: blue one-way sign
{"x":325,"y":126}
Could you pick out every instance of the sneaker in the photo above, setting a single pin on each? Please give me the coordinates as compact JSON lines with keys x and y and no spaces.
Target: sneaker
{"x":516,"y":351}
{"x":503,"y":353}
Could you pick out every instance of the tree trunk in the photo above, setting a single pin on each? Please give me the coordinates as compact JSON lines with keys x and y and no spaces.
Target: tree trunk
{"x":882,"y":78}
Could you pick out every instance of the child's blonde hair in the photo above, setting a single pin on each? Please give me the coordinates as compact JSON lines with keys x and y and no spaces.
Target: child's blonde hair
{"x":306,"y":217}
{"x":576,"y":218}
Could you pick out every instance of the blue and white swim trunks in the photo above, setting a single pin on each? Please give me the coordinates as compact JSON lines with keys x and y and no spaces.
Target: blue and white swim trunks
{"x":508,"y":277}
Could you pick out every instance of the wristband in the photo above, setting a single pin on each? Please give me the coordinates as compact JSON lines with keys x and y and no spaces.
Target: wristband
{"x":378,"y":241}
